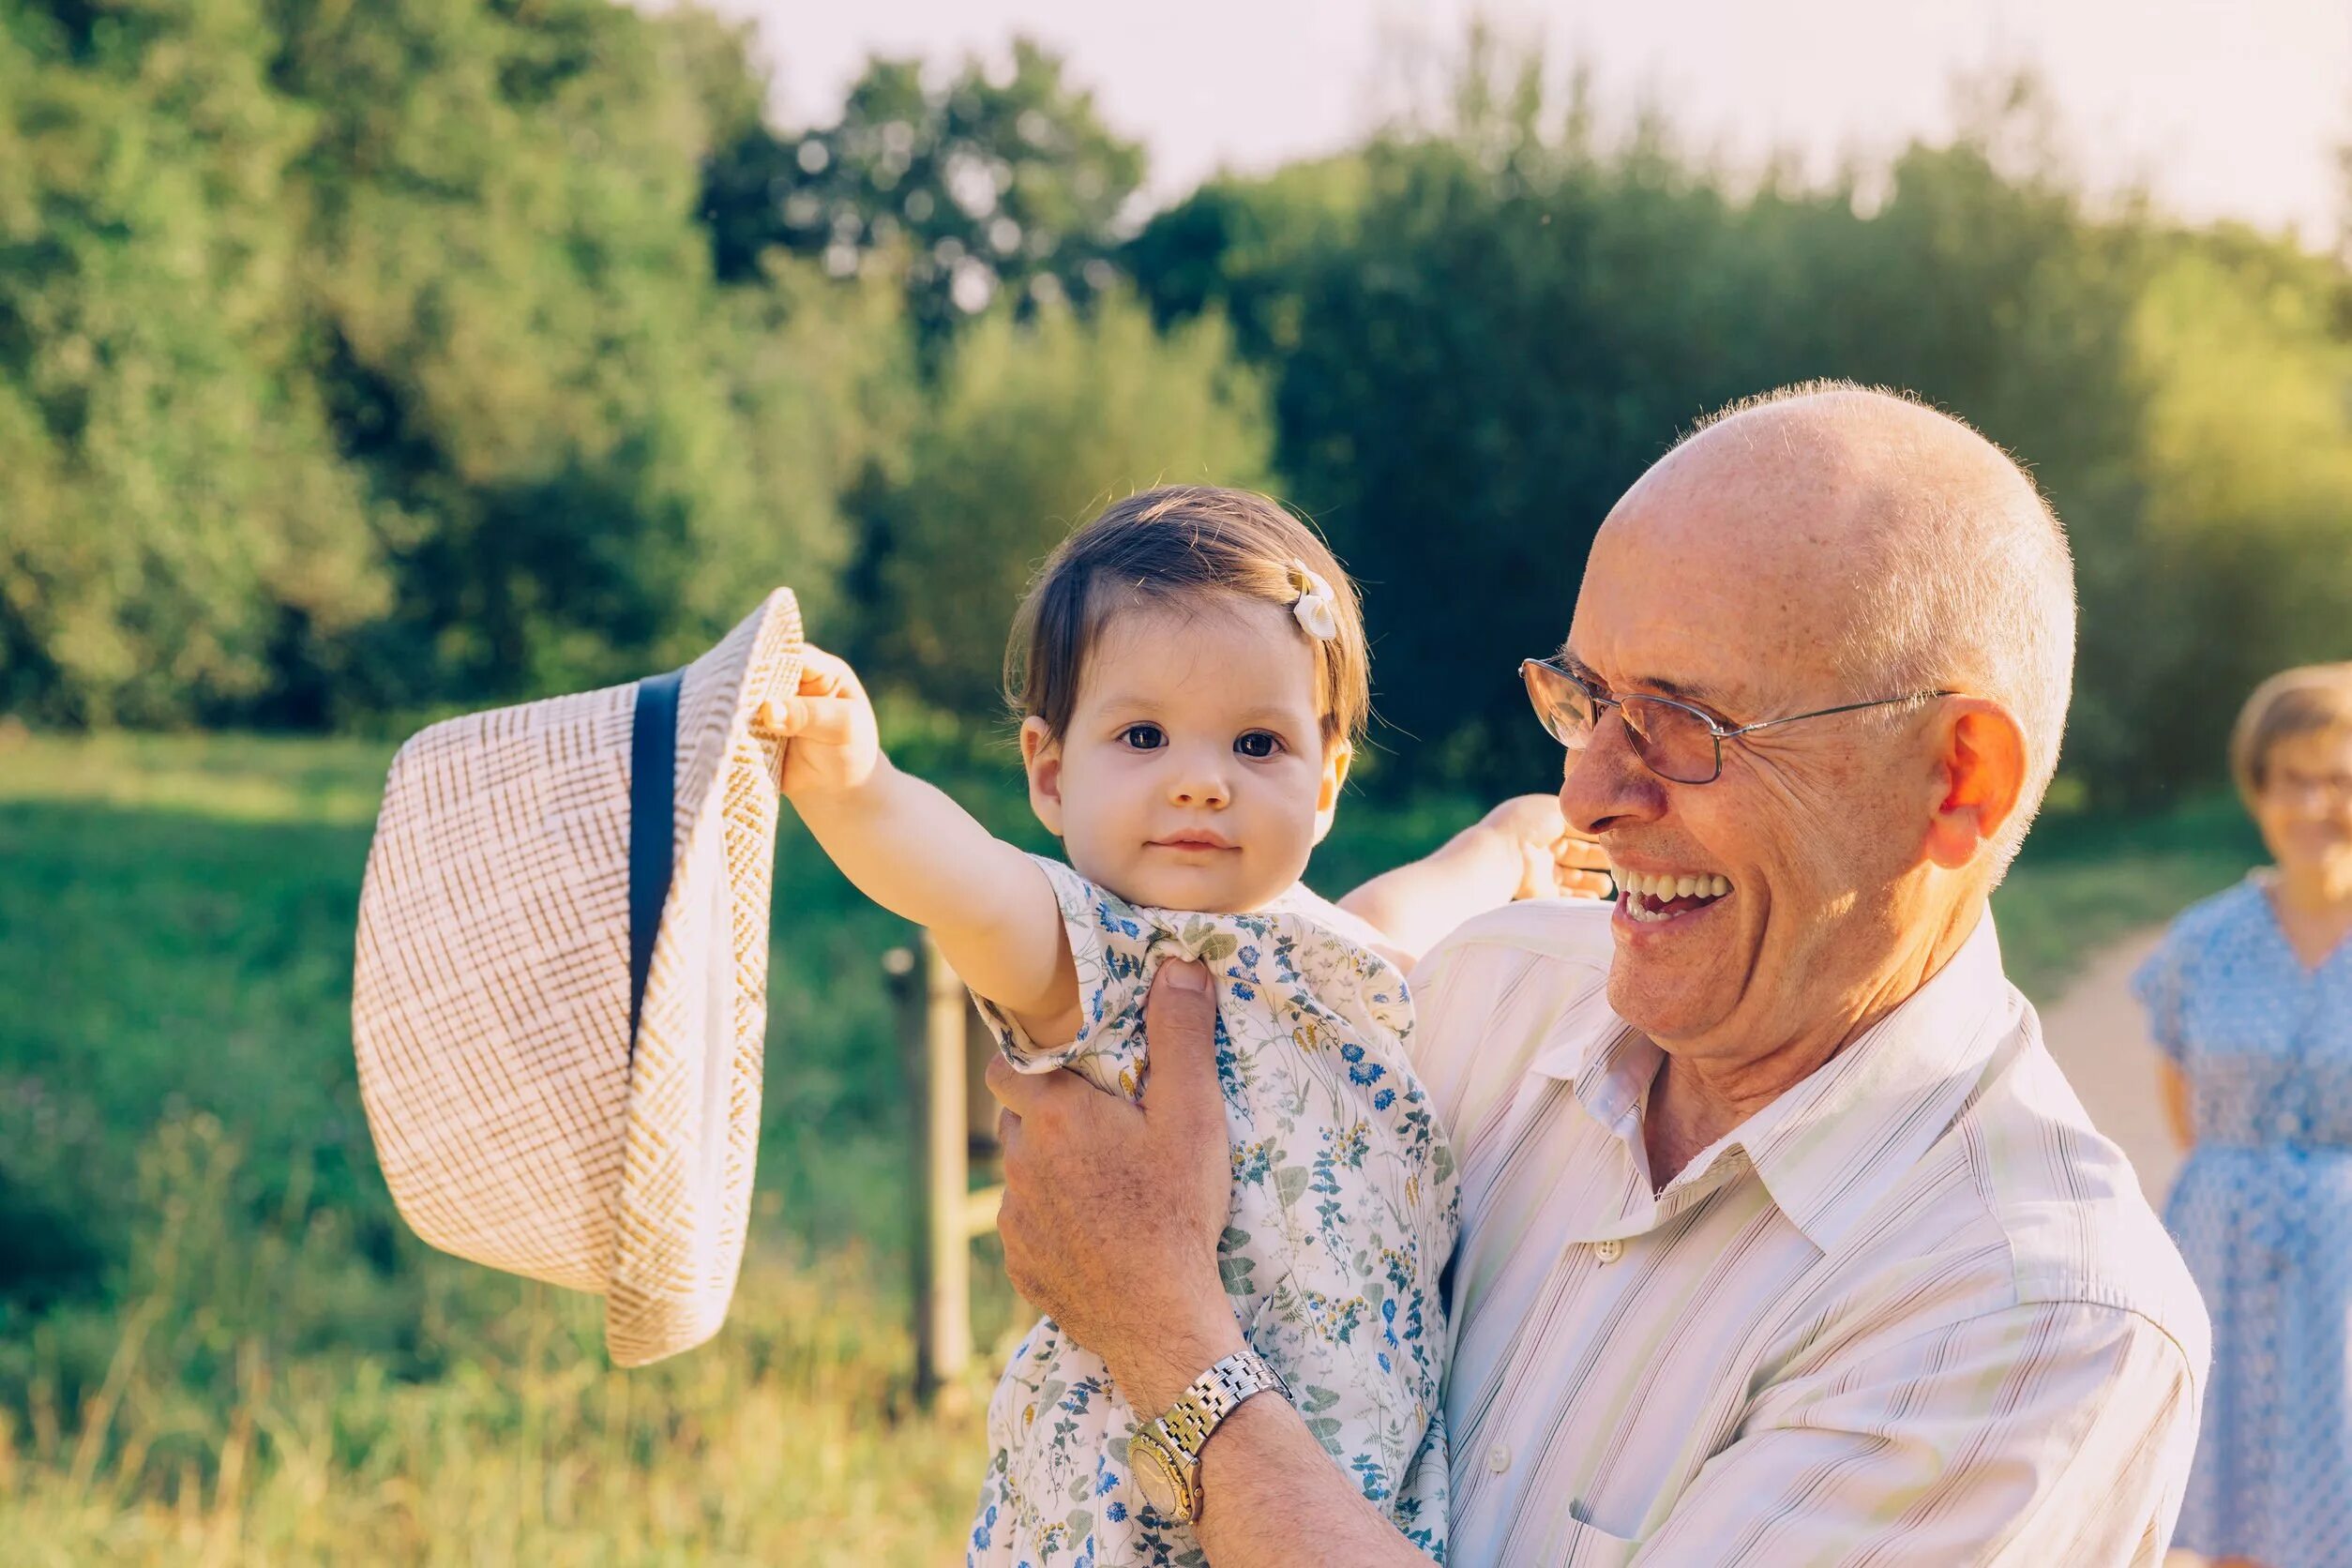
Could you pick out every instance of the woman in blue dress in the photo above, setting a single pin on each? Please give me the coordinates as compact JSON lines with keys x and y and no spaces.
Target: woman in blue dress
{"x":2250,"y":998}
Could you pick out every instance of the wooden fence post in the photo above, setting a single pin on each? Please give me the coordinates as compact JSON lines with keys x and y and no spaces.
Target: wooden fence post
{"x":937,"y":1029}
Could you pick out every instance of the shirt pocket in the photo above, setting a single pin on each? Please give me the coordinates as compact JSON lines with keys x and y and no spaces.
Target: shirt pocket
{"x":1576,"y":1545}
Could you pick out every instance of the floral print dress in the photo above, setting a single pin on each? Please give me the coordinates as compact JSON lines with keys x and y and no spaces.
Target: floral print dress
{"x":2263,"y":1213}
{"x":1345,"y":1210}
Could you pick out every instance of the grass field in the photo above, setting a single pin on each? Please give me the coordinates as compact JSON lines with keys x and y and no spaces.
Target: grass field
{"x":217,"y":1344}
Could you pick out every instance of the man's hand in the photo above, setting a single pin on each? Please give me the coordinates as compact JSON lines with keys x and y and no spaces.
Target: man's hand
{"x":1554,"y":861}
{"x":831,"y":743}
{"x":1112,"y":1211}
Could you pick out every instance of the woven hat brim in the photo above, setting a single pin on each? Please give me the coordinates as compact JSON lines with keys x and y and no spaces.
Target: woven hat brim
{"x":690,"y":1138}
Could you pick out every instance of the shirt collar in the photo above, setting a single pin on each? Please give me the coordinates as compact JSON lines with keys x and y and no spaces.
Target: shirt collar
{"x":1829,"y":1147}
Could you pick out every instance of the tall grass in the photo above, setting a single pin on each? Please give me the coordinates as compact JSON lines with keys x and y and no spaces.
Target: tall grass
{"x":218,"y":1345}
{"x":211,"y":1436}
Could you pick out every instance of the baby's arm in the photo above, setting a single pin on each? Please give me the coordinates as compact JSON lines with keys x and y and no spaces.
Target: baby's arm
{"x":920,"y":855}
{"x":1522,"y":848}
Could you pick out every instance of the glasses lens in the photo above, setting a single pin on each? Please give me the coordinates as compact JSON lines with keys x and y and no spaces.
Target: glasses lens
{"x":1562,"y":705}
{"x":1675,"y":740}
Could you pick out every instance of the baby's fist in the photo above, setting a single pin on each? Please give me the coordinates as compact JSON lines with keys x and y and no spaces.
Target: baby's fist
{"x":827,"y":725}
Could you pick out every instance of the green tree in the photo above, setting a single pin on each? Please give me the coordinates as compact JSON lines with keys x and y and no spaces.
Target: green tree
{"x":2242,"y":562}
{"x":1500,"y":324}
{"x":175,"y":525}
{"x":355,"y":358}
{"x":1036,"y":427}
{"x":980,"y":189}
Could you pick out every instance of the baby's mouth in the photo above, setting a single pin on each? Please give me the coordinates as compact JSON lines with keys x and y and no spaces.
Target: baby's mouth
{"x":1653,"y":898}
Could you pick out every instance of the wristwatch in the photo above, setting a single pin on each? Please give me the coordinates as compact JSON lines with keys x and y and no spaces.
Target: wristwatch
{"x":1165,"y":1454}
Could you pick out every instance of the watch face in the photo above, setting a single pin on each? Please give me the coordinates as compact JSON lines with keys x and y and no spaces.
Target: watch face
{"x":1155,"y":1477}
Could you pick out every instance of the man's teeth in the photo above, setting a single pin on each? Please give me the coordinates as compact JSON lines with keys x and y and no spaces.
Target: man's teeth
{"x":1664,"y":887}
{"x":1646,"y":895}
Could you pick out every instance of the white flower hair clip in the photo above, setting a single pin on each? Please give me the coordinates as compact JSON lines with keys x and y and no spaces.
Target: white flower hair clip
{"x":1315,"y":606}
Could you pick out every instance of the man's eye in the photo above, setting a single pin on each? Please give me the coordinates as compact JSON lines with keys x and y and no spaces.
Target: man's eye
{"x":1258,"y":744}
{"x":1143,"y":737}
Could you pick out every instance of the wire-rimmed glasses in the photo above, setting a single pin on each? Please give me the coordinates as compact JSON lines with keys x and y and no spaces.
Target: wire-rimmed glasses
{"x":1675,"y":741}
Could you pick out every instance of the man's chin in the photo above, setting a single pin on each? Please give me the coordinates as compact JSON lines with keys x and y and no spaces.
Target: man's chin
{"x":1653,"y":1004}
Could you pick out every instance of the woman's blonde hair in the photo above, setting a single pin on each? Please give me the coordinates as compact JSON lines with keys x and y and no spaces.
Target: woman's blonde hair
{"x":1174,"y":543}
{"x":2314,"y":699}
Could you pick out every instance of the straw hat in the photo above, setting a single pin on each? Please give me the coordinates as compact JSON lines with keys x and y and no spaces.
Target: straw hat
{"x":561,"y":988}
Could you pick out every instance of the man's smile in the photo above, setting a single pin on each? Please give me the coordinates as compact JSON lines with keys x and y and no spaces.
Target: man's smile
{"x":1660,"y":896}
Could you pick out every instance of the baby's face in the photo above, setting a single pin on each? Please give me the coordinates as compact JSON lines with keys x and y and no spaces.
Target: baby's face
{"x":1194,"y":775}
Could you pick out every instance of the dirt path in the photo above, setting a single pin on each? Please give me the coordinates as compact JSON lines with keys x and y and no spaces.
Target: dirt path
{"x":2100,"y":1037}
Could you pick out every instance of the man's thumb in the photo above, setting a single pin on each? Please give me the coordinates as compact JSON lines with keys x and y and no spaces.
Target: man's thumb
{"x":1179,"y":1019}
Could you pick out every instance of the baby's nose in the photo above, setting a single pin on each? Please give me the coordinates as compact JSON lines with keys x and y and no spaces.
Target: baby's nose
{"x":1200,"y":789}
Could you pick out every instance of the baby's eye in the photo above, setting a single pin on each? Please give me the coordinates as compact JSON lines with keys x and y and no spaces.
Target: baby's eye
{"x":1258,"y":743}
{"x":1143,"y":737}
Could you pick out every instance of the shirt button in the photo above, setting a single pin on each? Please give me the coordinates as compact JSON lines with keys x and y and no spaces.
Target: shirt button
{"x":1498,"y":1458}
{"x":1608,"y":1251}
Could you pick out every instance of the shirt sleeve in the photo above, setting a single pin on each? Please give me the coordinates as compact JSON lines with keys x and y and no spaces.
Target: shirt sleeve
{"x":1108,"y":941}
{"x":2160,"y":987}
{"x":2048,"y":1432}
{"x":1507,"y":986}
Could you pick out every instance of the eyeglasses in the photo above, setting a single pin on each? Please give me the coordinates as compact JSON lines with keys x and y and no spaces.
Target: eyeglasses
{"x":1677,"y":742}
{"x":2323,"y":790}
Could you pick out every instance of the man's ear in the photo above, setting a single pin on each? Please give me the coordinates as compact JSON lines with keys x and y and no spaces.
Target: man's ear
{"x":1981,"y":776}
{"x":1041,"y":755}
{"x":1337,"y":756}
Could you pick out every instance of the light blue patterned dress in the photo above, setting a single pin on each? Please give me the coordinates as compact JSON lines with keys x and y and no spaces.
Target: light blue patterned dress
{"x":2263,"y":1213}
{"x":1344,"y":1215}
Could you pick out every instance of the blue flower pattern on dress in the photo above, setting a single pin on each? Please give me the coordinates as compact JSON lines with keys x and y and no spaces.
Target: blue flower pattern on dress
{"x":2263,"y":1213}
{"x":1345,"y":1211}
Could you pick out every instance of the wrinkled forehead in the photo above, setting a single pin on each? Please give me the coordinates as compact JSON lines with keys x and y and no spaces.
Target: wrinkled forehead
{"x":1737,"y":603}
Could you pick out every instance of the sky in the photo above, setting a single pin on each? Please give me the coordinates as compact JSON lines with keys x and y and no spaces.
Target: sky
{"x":2223,"y":108}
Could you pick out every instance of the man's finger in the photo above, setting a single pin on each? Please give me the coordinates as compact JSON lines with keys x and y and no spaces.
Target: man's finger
{"x":1585,"y":884}
{"x":1180,"y":1021}
{"x":1025,"y":1094}
{"x":1575,"y":852}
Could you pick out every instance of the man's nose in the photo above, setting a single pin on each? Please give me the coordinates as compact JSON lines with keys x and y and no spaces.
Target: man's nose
{"x":1606,"y":784}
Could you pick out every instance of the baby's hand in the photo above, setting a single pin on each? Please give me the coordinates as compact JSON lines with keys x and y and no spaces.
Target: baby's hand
{"x":828,"y":726}
{"x":1554,"y":861}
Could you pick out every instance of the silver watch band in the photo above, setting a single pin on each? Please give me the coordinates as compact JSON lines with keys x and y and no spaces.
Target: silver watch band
{"x":1212,"y":1396}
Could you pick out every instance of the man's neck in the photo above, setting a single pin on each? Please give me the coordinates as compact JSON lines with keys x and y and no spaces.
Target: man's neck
{"x":1694,"y":1103}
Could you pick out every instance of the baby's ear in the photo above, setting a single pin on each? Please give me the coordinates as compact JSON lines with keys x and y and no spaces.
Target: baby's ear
{"x":1337,"y":754}
{"x":1041,"y":755}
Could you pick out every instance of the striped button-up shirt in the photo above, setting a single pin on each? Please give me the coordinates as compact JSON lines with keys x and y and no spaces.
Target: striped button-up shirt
{"x":1914,"y":1311}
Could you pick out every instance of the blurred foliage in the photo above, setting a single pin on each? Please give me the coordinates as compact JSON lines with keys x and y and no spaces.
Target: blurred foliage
{"x":1480,"y":335}
{"x":1034,"y":430}
{"x":976,"y":188}
{"x":356,"y":357}
{"x":362,"y":362}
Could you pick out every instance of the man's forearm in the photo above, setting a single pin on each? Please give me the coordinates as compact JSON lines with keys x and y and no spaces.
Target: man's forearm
{"x":1272,"y":1498}
{"x":1418,"y":904}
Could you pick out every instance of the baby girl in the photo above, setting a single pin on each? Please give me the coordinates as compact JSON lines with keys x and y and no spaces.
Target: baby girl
{"x":1192,"y":669}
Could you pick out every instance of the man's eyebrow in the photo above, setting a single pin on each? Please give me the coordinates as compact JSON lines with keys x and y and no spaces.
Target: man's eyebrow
{"x":1663,"y":687}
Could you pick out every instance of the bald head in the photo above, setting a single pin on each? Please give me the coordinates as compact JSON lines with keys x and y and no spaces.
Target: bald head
{"x":1915,"y":550}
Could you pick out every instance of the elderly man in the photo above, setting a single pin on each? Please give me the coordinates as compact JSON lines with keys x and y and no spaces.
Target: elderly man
{"x":1784,"y":1239}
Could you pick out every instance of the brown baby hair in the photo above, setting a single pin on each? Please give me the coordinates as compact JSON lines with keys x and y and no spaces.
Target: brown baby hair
{"x":1178,"y":542}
